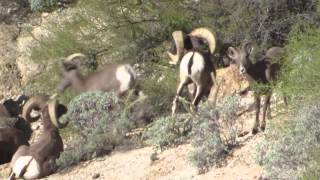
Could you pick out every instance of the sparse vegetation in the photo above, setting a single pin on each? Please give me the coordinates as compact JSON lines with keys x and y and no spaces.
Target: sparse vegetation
{"x":41,"y":5}
{"x":167,"y":132}
{"x":290,"y":149}
{"x":212,"y":133}
{"x":100,"y":126}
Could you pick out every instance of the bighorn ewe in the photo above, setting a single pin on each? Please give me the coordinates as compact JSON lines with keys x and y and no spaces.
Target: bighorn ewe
{"x":263,"y":72}
{"x":113,"y":77}
{"x":11,"y":137}
{"x":196,"y":66}
{"x":39,"y":159}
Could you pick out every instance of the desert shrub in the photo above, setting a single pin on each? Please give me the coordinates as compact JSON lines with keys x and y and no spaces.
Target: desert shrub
{"x":301,"y":71}
{"x":288,"y":151}
{"x":160,"y":86}
{"x":41,"y":5}
{"x":209,"y":147}
{"x":228,"y":119}
{"x":214,"y":133}
{"x":313,"y":171}
{"x":100,"y":126}
{"x":167,"y":132}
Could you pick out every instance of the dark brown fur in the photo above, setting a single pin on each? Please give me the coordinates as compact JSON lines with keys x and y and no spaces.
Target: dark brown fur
{"x":12,"y":137}
{"x":49,"y":146}
{"x":264,"y":72}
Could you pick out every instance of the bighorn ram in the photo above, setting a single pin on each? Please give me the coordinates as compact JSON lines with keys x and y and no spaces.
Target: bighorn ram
{"x":113,"y":77}
{"x":196,"y":66}
{"x":263,"y":72}
{"x":12,"y":137}
{"x":39,"y":159}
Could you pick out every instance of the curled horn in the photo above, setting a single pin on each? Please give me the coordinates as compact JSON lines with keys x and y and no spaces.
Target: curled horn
{"x":36,"y":103}
{"x":207,"y":34}
{"x":53,"y":114}
{"x":70,"y":63}
{"x":178,"y":37}
{"x":73,"y":56}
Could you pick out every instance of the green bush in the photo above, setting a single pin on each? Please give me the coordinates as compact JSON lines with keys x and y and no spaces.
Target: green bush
{"x":301,"y":73}
{"x":214,"y":134}
{"x":100,"y":126}
{"x":41,"y":5}
{"x":167,"y":132}
{"x":208,"y":146}
{"x":160,"y":86}
{"x":288,"y":152}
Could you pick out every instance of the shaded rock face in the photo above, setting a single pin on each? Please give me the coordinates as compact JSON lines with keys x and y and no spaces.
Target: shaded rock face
{"x":13,"y":11}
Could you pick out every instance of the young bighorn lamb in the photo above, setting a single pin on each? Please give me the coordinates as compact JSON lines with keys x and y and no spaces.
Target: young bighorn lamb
{"x":196,"y":66}
{"x":39,"y":159}
{"x":12,"y":137}
{"x":264,"y":72}
{"x":113,"y":77}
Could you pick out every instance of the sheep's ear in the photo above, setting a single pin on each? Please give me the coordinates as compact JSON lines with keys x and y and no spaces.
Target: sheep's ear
{"x":68,"y":66}
{"x":232,"y":53}
{"x":248,"y":47}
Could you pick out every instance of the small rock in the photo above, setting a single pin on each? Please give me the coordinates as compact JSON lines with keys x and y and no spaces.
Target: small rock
{"x":96,"y":176}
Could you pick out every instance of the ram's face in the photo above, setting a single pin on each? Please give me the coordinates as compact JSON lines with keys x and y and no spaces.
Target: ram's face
{"x":240,"y":56}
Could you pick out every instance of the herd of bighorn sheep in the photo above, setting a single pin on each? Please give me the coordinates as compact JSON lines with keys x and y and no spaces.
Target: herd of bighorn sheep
{"x":192,"y":51}
{"x":197,"y":68}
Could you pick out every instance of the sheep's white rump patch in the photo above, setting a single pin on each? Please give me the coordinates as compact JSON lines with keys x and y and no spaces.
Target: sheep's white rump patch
{"x":125,"y":75}
{"x":197,"y":66}
{"x":32,"y":171}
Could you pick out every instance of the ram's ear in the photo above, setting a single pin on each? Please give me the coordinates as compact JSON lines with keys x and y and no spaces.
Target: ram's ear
{"x":68,"y":66}
{"x":248,"y":47}
{"x":232,"y":53}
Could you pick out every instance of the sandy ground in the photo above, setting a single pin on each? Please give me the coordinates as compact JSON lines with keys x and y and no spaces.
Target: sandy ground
{"x":172,"y":164}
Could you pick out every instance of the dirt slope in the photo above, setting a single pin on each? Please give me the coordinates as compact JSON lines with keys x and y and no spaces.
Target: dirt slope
{"x":172,"y":164}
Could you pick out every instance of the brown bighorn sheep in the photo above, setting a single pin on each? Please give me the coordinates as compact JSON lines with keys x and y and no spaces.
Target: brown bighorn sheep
{"x":264,"y":72}
{"x":113,"y":77}
{"x":196,"y":66}
{"x":39,"y":159}
{"x":12,"y":137}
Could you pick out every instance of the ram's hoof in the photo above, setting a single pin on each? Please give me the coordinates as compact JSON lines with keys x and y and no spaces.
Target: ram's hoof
{"x":255,"y":130}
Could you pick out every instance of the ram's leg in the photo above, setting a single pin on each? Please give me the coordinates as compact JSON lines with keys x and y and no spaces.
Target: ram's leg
{"x":49,"y":167}
{"x":265,"y":106}
{"x":285,"y":100}
{"x":257,"y":106}
{"x":12,"y":175}
{"x":192,"y":88}
{"x":269,"y":111}
{"x":197,"y":98}
{"x":175,"y":100}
